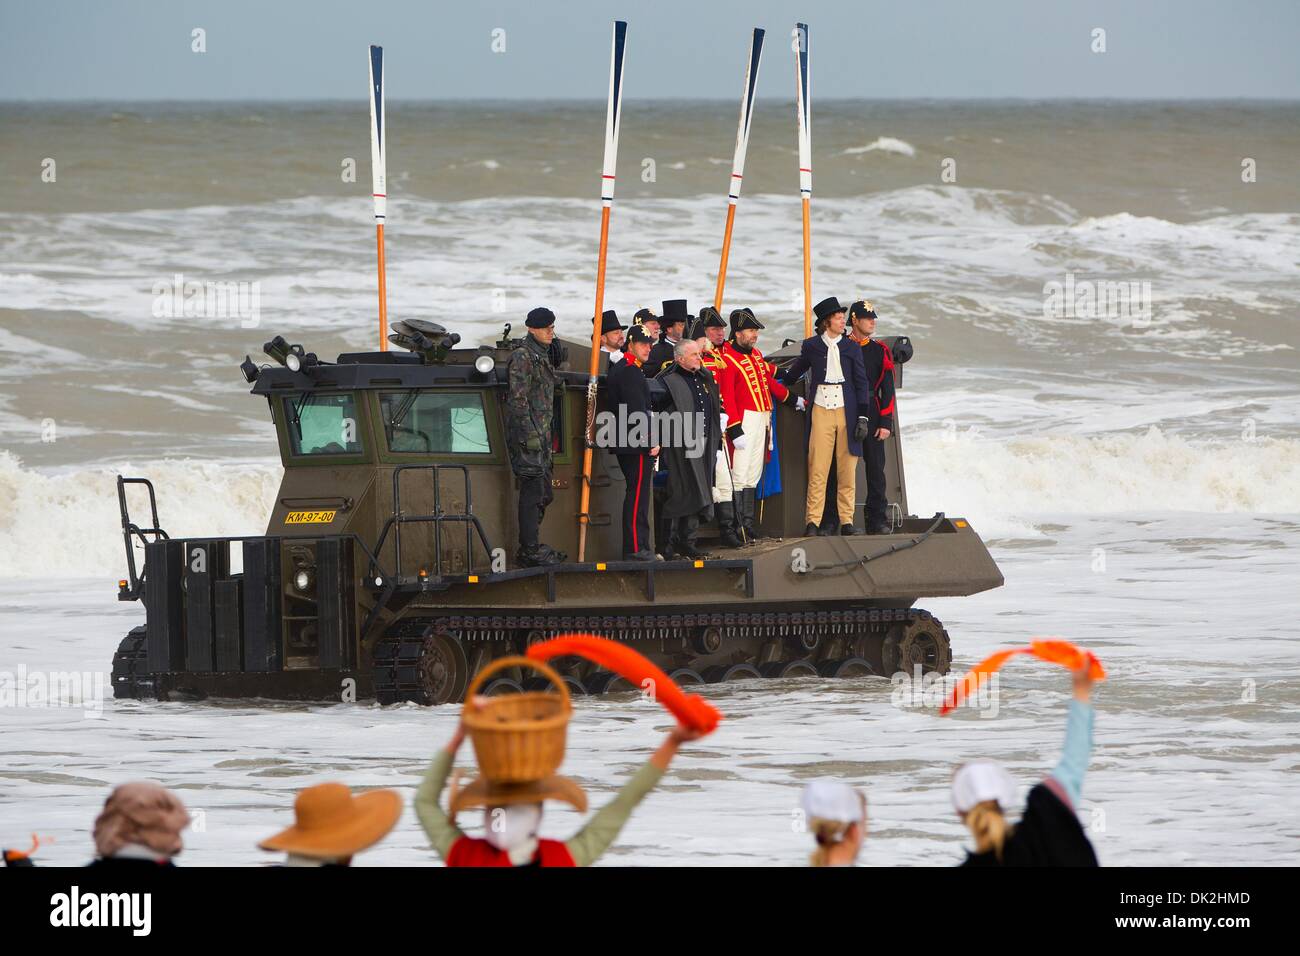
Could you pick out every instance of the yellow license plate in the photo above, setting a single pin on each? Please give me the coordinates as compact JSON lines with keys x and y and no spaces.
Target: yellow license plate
{"x":309,"y":517}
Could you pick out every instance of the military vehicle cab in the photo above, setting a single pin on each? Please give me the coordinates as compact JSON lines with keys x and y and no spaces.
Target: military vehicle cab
{"x":386,"y":567}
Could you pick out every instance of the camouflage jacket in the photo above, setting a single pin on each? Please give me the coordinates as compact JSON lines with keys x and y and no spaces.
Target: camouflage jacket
{"x":530,"y":408}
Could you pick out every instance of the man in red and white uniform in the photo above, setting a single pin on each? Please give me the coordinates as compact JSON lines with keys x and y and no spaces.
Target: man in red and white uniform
{"x":748,"y":387}
{"x":880,"y":381}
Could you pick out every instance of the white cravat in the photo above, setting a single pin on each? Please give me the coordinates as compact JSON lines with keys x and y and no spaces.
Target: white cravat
{"x":614,"y":357}
{"x":830,"y":394}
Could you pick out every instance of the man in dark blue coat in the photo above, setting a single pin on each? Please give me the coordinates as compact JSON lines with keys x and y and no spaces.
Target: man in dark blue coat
{"x":839,"y":406}
{"x":629,"y":394}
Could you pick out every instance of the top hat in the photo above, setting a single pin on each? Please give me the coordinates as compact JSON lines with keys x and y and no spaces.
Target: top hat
{"x":828,"y":307}
{"x":609,"y":322}
{"x":675,"y":311}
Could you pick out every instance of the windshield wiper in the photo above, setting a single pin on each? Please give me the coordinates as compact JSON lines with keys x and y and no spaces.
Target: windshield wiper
{"x":404,"y":409}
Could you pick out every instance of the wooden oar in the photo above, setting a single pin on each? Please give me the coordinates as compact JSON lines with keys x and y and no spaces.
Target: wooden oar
{"x":738,"y":162}
{"x":613,"y":114}
{"x":379,"y":177}
{"x":800,"y":46}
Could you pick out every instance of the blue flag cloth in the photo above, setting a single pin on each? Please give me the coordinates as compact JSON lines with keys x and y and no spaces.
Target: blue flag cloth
{"x":770,"y":483}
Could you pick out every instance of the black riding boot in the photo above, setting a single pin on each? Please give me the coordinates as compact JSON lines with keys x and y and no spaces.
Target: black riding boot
{"x":728,"y":531}
{"x":688,"y":528}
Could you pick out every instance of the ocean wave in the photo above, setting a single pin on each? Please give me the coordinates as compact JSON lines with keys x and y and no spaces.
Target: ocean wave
{"x":56,"y":523}
{"x":928,"y":252}
{"x":884,"y":144}
{"x":66,"y":521}
{"x":999,"y":484}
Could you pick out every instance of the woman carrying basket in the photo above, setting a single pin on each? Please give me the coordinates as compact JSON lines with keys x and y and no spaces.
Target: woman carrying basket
{"x":513,"y":810}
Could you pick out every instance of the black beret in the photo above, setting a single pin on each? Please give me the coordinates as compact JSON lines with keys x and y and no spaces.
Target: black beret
{"x":540,"y":318}
{"x":827,"y":307}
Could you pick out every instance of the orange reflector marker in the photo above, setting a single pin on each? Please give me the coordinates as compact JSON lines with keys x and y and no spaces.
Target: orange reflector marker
{"x":959,"y":523}
{"x":600,"y":565}
{"x":473,"y":579}
{"x":699,"y":564}
{"x":121,"y":584}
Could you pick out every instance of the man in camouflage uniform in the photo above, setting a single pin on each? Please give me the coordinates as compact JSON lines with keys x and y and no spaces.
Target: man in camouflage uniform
{"x":530,"y":412}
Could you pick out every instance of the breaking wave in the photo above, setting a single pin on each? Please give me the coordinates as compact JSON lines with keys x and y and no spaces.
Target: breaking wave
{"x":65,"y":522}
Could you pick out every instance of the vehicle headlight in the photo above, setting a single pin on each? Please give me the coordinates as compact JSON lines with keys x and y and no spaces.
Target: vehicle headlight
{"x":484,"y":364}
{"x":302,"y":579}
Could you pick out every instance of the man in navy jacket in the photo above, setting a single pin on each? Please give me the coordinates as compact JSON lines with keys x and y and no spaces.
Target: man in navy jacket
{"x":839,"y":406}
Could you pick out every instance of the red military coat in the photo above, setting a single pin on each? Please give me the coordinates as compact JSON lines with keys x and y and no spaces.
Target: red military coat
{"x":747,"y":384}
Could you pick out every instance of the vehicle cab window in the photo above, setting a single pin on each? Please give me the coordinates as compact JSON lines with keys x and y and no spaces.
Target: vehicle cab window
{"x":435,"y":422}
{"x":323,"y":424}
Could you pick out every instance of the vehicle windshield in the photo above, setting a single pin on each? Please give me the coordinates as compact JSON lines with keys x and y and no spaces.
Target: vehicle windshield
{"x":435,"y":423}
{"x":323,"y":424}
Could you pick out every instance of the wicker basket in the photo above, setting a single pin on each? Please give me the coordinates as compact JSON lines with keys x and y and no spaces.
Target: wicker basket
{"x":518,"y":738}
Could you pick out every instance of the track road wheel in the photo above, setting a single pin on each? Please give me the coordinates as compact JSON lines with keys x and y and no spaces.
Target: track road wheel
{"x":802,"y":668}
{"x":605,"y":682}
{"x":686,"y":677}
{"x":576,"y":688}
{"x":500,"y":686}
{"x":725,"y":672}
{"x":924,"y":644}
{"x":847,"y":667}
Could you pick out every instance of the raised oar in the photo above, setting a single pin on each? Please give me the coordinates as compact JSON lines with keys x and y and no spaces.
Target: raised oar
{"x":379,"y":177}
{"x":800,"y":46}
{"x":738,"y":162}
{"x":613,"y":113}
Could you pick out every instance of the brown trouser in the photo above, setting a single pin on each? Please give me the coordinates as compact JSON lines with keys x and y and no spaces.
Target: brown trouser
{"x":829,"y":438}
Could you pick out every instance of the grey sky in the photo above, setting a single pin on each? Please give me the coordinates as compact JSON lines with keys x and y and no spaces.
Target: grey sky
{"x":294,"y":49}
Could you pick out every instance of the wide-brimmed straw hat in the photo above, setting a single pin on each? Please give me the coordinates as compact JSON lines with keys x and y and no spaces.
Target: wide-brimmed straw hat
{"x":487,"y":793}
{"x":330,"y":823}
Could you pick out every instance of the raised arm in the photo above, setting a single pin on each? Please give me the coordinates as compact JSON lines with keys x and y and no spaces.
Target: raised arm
{"x":1078,"y":738}
{"x":441,"y":829}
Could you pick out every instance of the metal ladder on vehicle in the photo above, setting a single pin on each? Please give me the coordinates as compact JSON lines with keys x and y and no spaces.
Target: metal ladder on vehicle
{"x":437,"y":518}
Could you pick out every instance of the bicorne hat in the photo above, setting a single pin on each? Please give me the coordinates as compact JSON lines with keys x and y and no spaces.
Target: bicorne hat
{"x":742,"y":319}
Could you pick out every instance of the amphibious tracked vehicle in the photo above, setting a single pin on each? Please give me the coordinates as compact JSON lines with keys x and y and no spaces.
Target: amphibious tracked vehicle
{"x":385,"y":568}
